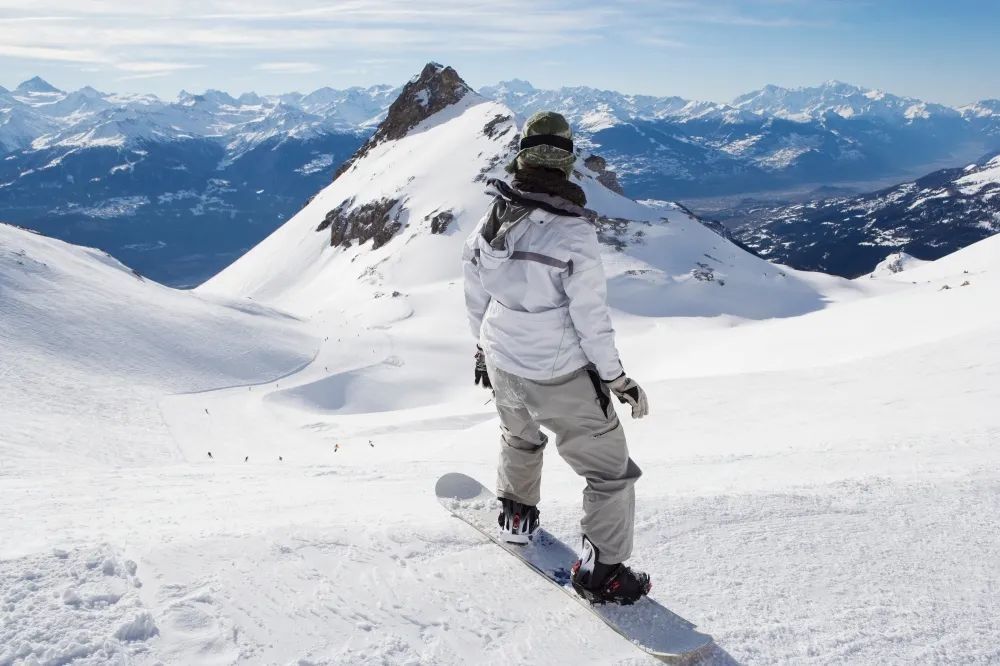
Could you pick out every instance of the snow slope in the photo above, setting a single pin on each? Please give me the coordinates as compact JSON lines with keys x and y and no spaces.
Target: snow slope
{"x":819,"y":464}
{"x":90,"y":347}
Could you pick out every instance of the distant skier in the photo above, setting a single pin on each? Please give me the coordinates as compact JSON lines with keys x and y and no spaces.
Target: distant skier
{"x":537,"y":304}
{"x":209,"y":454}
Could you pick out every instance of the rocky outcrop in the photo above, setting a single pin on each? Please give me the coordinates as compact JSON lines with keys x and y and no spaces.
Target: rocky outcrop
{"x":617,"y":232}
{"x":500,"y":126}
{"x":440,"y":221}
{"x":605,"y":177}
{"x":376,"y":221}
{"x":435,"y":88}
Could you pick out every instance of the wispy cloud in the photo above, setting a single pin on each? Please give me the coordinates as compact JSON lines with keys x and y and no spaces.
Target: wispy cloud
{"x":51,"y":53}
{"x":154,"y":66}
{"x":660,"y":41}
{"x":114,"y":31}
{"x":289,"y":67}
{"x":737,"y":13}
{"x":126,"y":39}
{"x":145,"y":75}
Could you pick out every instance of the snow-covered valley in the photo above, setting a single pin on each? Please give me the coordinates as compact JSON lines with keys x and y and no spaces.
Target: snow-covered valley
{"x":820,"y":465}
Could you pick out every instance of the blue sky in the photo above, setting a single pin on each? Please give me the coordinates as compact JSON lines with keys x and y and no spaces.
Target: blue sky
{"x":938,"y":51}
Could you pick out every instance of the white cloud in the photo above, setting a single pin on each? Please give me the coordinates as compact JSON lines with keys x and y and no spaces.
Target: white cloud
{"x":146,"y":75}
{"x":116,"y":31}
{"x":289,"y":67}
{"x":50,"y":53}
{"x":154,"y":66}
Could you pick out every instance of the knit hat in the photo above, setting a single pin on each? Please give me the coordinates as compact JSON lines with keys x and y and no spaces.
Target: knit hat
{"x":546,"y":141}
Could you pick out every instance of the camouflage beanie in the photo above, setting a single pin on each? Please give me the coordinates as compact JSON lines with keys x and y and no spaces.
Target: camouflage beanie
{"x":546,"y":141}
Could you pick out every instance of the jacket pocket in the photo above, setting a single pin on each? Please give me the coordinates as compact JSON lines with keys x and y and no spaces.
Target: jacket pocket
{"x":615,"y":424}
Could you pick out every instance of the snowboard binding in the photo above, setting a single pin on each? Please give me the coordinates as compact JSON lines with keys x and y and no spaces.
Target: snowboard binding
{"x":601,"y":583}
{"x":517,"y":521}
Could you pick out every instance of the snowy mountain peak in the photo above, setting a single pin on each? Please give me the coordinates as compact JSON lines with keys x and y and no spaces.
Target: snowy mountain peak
{"x":841,"y":86}
{"x":210,"y":96}
{"x":90,"y":92}
{"x":836,"y":97}
{"x":514,"y":86}
{"x":250,"y":98}
{"x":220,"y":97}
{"x":36,"y":84}
{"x":982,"y":109}
{"x":435,"y":88}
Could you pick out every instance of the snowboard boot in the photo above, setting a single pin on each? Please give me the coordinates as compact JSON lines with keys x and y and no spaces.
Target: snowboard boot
{"x":517,"y":521}
{"x":601,"y":583}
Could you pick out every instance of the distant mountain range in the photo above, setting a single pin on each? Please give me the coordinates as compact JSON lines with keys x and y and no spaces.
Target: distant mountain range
{"x":178,"y":189}
{"x":927,"y":218}
{"x":175,"y":189}
{"x":770,"y":139}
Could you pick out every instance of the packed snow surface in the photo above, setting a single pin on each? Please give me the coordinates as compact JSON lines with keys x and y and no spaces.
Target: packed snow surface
{"x":820,"y":465}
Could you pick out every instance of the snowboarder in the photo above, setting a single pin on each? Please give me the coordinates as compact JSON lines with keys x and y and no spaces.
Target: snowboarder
{"x":537,"y":304}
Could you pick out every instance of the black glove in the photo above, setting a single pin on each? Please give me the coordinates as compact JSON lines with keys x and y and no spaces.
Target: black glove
{"x":482,"y":375}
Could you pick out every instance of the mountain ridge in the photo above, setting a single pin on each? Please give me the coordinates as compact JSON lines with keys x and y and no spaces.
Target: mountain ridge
{"x":926,"y":218}
{"x":134,"y":173}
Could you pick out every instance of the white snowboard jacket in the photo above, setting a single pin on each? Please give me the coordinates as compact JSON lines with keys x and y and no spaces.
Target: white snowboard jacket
{"x":535,"y":289}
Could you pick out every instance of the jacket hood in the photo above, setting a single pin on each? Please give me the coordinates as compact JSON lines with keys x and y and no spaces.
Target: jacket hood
{"x":547,"y":202}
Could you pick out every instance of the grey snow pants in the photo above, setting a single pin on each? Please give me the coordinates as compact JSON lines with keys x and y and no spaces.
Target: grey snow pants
{"x":577,"y":409}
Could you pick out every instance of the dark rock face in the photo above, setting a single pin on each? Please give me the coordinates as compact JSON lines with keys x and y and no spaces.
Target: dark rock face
{"x":705,"y":273}
{"x":497,"y":126}
{"x":435,"y":88}
{"x":377,"y":221}
{"x":500,"y":126}
{"x":614,"y":231}
{"x":605,"y":177}
{"x":440,"y":221}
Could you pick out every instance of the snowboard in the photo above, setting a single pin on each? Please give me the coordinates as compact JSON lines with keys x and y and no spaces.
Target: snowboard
{"x":646,"y":624}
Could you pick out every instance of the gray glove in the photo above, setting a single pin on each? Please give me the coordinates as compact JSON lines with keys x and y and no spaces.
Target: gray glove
{"x":630,"y":393}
